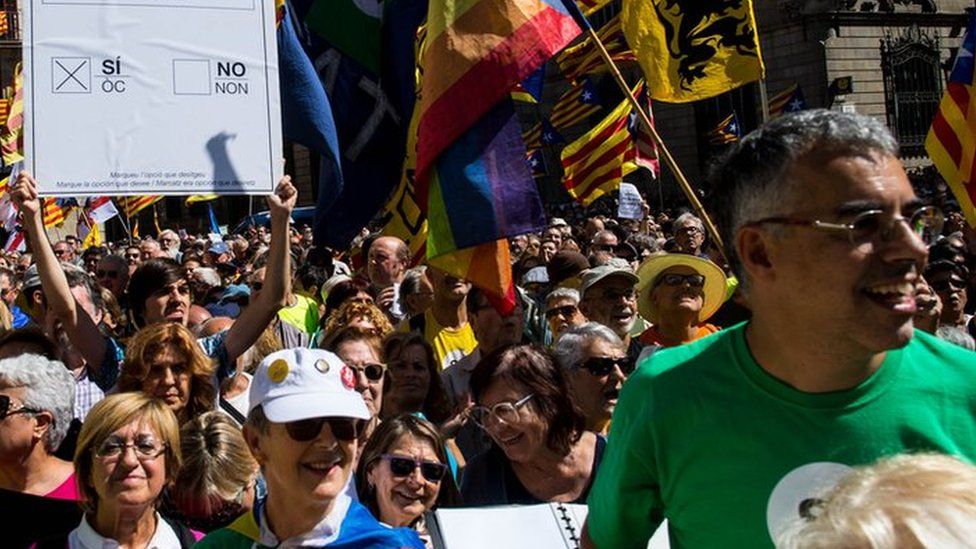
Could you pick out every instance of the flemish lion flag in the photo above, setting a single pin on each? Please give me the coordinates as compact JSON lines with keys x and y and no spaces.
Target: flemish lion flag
{"x":693,"y":49}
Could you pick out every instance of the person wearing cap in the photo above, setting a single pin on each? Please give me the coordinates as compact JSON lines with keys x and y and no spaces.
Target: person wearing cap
{"x":219,"y":252}
{"x":731,"y":437}
{"x":607,"y":296}
{"x":564,"y":268}
{"x":302,"y":427}
{"x":677,"y":294}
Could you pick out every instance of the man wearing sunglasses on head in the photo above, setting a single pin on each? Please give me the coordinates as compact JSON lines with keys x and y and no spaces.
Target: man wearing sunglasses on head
{"x":677,"y":294}
{"x":596,"y":365}
{"x":732,"y":436}
{"x":302,"y":427}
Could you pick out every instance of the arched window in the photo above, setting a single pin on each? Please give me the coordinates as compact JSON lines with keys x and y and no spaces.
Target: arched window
{"x":913,"y":86}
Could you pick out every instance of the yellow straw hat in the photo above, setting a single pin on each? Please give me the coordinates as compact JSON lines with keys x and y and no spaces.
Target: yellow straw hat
{"x":714,"y":290}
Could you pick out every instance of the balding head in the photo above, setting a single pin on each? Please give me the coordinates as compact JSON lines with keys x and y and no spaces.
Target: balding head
{"x":388,"y":259}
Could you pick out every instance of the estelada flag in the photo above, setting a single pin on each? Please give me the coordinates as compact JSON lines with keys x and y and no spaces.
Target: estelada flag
{"x":693,"y":49}
{"x":951,"y":142}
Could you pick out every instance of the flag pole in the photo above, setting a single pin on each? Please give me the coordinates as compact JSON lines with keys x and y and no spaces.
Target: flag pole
{"x":764,"y":98}
{"x":672,"y":164}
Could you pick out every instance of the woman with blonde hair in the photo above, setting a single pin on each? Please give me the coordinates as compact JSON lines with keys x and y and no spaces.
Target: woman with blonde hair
{"x":164,"y":361}
{"x":128,"y":451}
{"x":354,"y":314}
{"x":218,"y":480}
{"x":910,"y":500}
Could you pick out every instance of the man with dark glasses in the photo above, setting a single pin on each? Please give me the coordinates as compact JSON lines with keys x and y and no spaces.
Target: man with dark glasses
{"x":741,"y":430}
{"x":596,"y":364}
{"x":303,"y":425}
{"x":948,"y":280}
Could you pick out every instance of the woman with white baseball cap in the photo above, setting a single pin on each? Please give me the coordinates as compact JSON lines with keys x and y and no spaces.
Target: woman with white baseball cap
{"x":303,"y":423}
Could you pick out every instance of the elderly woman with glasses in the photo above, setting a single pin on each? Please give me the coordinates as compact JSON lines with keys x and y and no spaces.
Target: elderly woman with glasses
{"x":677,"y":294}
{"x":596,"y":365}
{"x":37,"y":397}
{"x":128,"y":451}
{"x":541,"y":451}
{"x":402,"y":473}
{"x":362,"y":350}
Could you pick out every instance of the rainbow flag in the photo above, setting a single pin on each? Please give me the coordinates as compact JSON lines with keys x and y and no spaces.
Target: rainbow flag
{"x":951,"y":142}
{"x":476,"y":51}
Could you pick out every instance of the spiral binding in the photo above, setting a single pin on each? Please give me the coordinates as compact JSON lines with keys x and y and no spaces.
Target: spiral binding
{"x":569,"y":526}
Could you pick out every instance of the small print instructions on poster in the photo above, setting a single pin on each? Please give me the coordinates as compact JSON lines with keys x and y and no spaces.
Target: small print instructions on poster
{"x":132,"y":97}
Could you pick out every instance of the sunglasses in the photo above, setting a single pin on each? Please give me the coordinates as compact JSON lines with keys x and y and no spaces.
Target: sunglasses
{"x":602,"y":366}
{"x":373,"y":372}
{"x":6,"y":411}
{"x":403,"y":466}
{"x":947,"y":283}
{"x":106,"y":274}
{"x":343,"y":428}
{"x":693,"y":280}
{"x":565,"y":311}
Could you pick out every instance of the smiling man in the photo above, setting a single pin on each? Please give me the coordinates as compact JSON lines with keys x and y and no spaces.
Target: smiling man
{"x":302,"y":428}
{"x":731,"y":437}
{"x":608,"y":297}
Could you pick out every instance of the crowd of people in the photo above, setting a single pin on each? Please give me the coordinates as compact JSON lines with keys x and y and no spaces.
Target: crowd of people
{"x":260,"y":391}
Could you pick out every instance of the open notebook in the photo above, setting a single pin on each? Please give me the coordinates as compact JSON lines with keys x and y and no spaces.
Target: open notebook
{"x":555,"y":525}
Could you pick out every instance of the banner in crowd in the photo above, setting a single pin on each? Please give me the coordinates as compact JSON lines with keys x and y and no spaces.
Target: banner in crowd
{"x":170,"y":98}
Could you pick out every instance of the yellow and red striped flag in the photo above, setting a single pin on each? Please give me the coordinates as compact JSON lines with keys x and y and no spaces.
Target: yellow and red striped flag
{"x":584,"y":58}
{"x":131,"y":205}
{"x":573,"y":106}
{"x":590,"y":6}
{"x":12,"y":131}
{"x":56,"y":211}
{"x":596,"y":163}
{"x":951,"y":142}
{"x":4,"y":110}
{"x":4,"y":23}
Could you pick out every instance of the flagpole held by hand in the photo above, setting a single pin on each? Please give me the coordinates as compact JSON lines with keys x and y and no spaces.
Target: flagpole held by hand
{"x":645,"y":119}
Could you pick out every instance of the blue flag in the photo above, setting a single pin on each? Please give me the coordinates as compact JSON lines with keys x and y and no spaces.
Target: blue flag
{"x":306,"y":114}
{"x":214,"y":226}
{"x":372,"y":109}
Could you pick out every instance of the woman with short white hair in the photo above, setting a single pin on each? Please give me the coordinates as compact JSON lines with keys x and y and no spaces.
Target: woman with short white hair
{"x":37,"y":398}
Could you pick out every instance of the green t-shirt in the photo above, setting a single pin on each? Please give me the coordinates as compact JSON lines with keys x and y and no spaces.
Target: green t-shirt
{"x":728,"y":454}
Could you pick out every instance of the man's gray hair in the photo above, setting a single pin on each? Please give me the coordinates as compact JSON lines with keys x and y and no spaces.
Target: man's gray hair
{"x":568,"y":349}
{"x":681,"y":219}
{"x":48,"y":386}
{"x":411,"y":284}
{"x":78,"y":278}
{"x":564,"y":293}
{"x":208,"y":276}
{"x":749,"y":180}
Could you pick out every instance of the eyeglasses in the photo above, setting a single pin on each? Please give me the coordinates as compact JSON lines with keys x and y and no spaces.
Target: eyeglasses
{"x":689,"y":230}
{"x":6,"y":411}
{"x":403,"y":466}
{"x":693,"y":280}
{"x":947,"y":283}
{"x":146,"y":448}
{"x":373,"y":372}
{"x":506,"y":412}
{"x":603,"y":366}
{"x":565,"y":311}
{"x":870,"y":229}
{"x":106,"y":274}
{"x":59,"y":253}
{"x":343,"y":428}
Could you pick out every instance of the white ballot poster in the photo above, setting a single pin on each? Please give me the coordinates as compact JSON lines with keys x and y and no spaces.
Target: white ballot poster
{"x":130,"y":97}
{"x":629,"y":203}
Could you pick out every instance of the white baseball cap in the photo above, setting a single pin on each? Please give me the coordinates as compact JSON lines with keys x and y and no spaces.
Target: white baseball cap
{"x":300,"y":383}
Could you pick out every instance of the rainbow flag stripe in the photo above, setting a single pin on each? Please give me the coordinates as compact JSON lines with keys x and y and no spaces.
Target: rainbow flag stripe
{"x":476,"y":52}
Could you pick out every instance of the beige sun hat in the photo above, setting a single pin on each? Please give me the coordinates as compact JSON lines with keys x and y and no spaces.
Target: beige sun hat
{"x":652,"y":267}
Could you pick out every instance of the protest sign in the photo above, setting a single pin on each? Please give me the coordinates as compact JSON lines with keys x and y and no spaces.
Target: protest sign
{"x":130,"y":97}
{"x":630,"y":204}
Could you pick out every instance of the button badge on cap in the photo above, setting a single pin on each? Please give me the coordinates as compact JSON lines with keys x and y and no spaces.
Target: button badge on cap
{"x":348,"y":378}
{"x":278,"y":370}
{"x":322,"y":365}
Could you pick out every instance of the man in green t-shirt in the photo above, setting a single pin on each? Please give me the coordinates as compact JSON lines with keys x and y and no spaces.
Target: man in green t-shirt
{"x":732,"y":437}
